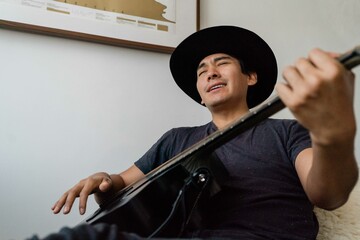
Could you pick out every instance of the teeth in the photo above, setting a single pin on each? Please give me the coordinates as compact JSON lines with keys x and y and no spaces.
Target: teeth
{"x":217,"y":86}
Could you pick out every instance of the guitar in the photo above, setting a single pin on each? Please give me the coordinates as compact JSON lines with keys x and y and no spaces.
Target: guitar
{"x":156,"y":206}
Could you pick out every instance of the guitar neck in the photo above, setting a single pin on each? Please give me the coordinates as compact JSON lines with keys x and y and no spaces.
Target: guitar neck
{"x":220,"y":137}
{"x":350,"y":59}
{"x":255,"y":116}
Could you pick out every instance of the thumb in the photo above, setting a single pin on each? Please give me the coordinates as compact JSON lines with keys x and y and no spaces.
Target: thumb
{"x":105,"y":185}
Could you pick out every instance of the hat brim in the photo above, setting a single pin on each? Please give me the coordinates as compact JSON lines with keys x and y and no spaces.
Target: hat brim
{"x":235,"y":41}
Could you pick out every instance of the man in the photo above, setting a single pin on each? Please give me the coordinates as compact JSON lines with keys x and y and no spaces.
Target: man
{"x":277,"y":170}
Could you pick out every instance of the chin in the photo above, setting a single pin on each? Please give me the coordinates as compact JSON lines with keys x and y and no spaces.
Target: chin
{"x":216,"y":104}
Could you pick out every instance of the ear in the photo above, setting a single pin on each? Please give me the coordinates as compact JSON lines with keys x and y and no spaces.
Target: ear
{"x":252,"y":80}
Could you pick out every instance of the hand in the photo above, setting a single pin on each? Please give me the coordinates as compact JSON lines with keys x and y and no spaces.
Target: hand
{"x":319,"y":92}
{"x":98,"y":183}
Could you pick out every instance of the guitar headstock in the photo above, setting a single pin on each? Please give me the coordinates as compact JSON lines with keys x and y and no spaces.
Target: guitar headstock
{"x":351,"y":59}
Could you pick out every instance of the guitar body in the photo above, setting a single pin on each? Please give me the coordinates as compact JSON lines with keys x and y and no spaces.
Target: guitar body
{"x":144,"y":207}
{"x":158,"y":207}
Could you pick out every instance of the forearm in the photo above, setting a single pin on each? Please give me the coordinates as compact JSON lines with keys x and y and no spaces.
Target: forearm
{"x":333,"y":174}
{"x":319,"y":91}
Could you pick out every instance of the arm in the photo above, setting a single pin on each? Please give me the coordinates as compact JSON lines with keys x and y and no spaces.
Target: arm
{"x":319,"y":92}
{"x":101,"y":184}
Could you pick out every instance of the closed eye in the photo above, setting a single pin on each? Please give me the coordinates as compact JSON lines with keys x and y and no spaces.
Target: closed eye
{"x":223,"y":62}
{"x":201,"y":72}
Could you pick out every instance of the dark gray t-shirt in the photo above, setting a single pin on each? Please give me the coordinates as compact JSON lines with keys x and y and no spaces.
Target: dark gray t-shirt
{"x":263,"y":197}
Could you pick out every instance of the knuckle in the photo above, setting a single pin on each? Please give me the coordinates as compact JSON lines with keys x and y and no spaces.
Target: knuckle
{"x":287,"y":71}
{"x":334,"y":73}
{"x":104,"y":175}
{"x":297,"y":102}
{"x":83,"y":194}
{"x":313,"y":52}
{"x":73,"y":193}
{"x":314,"y":83}
{"x":300,"y":61}
{"x":69,"y":202}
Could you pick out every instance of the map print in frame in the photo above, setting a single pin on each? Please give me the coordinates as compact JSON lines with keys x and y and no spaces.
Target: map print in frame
{"x":157,"y":25}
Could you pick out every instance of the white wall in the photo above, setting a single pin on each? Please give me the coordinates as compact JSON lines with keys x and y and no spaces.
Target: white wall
{"x":70,"y":108}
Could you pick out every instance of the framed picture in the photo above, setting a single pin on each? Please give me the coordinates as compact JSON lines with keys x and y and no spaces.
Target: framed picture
{"x":155,"y":25}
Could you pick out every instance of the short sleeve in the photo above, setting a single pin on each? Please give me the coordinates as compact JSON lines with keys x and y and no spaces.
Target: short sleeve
{"x":160,"y":152}
{"x":298,"y":140}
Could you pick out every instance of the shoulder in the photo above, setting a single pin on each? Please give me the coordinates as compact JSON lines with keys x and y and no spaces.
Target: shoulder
{"x":170,"y":144}
{"x":287,"y":131}
{"x":293,"y":136}
{"x":280,"y":122}
{"x":283,"y":125}
{"x":177,"y":139}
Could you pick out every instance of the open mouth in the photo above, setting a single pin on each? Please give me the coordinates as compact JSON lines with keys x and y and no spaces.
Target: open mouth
{"x":217,"y":86}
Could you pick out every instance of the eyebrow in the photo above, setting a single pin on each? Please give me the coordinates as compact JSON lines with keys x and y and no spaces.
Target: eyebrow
{"x":215,"y":60}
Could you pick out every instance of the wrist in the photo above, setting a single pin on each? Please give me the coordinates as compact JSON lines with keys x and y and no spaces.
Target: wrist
{"x":117,"y":182}
{"x":336,"y":136}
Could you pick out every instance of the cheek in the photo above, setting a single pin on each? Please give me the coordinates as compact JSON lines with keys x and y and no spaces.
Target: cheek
{"x":200,"y":88}
{"x":199,"y":85}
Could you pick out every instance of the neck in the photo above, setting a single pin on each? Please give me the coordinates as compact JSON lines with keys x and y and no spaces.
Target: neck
{"x":224,"y":117}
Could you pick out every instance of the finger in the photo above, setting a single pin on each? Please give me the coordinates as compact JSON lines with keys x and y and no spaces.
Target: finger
{"x":59,"y":204}
{"x":322,"y":59}
{"x":105,"y":185}
{"x":72,"y":195}
{"x":89,"y":188}
{"x":82,"y":202}
{"x":305,"y":69}
{"x":285,"y":93}
{"x":55,"y":208}
{"x":303,"y":78}
{"x":333,"y":54}
{"x":292,"y":76}
{"x":311,"y":78}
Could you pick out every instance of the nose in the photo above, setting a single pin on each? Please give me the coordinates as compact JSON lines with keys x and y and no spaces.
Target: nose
{"x":212,"y":73}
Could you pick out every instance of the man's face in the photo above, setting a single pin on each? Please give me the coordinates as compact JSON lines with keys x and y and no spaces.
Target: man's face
{"x":220,"y":81}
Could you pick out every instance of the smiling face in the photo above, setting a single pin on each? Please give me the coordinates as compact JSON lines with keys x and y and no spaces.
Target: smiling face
{"x":221,"y":81}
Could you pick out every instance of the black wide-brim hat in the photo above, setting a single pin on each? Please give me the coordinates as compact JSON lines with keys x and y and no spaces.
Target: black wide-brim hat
{"x":237,"y":42}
